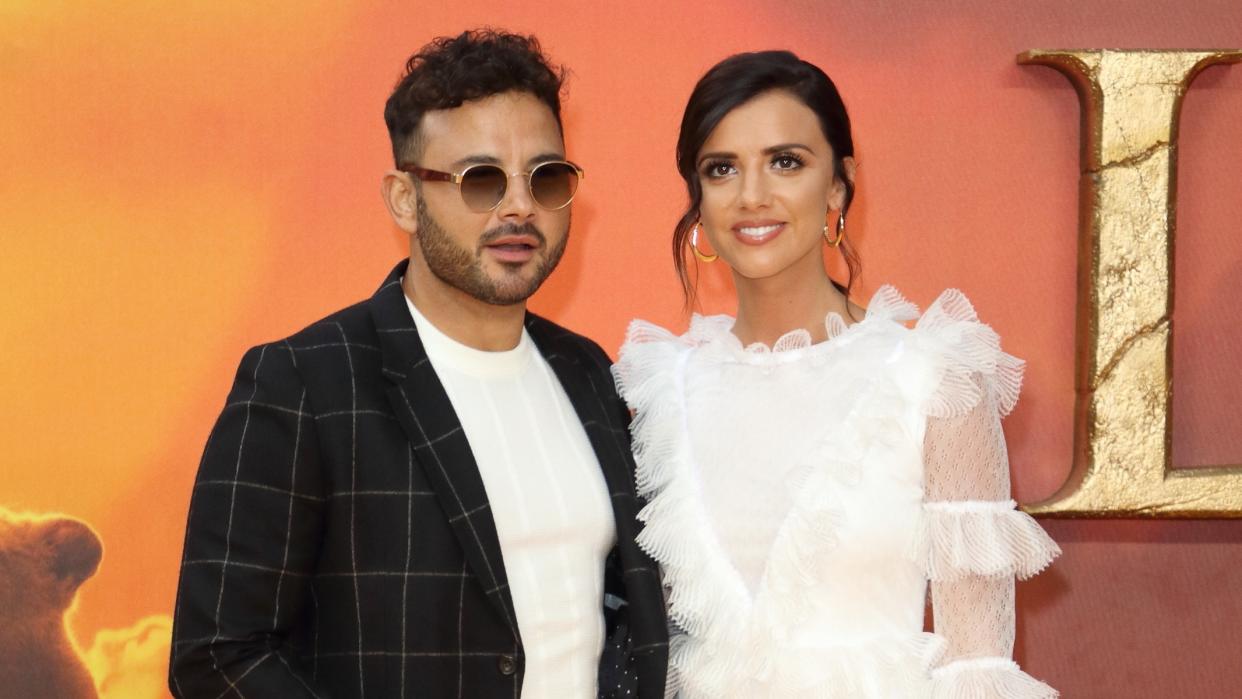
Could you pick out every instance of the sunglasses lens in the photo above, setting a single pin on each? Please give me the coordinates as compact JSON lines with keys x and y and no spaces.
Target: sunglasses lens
{"x":553,"y":184}
{"x":483,"y":186}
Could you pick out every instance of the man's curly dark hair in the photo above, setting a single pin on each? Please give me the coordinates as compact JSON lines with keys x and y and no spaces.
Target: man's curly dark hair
{"x":475,"y":64}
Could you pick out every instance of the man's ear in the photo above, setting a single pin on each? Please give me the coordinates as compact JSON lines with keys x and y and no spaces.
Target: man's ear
{"x":836,"y":199}
{"x":401,"y":198}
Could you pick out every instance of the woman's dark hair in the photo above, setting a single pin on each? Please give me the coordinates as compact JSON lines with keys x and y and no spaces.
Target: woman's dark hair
{"x":452,"y":70}
{"x":733,"y":82}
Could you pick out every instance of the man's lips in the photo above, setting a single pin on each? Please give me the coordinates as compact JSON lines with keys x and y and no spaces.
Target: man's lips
{"x":516,"y":239}
{"x":757,"y":232}
{"x":513,"y":248}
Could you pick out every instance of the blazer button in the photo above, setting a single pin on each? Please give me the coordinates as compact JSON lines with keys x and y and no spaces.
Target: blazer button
{"x":507,"y":665}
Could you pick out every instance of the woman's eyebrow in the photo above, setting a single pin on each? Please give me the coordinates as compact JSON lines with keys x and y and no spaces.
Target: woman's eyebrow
{"x":770,"y":150}
{"x":717,"y":155}
{"x":787,"y":146}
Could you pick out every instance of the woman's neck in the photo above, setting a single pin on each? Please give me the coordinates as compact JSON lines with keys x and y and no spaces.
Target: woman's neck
{"x":796,"y":298}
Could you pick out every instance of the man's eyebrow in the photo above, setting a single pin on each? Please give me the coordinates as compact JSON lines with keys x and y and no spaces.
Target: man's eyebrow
{"x":476,"y":160}
{"x":492,"y":160}
{"x":544,"y":157}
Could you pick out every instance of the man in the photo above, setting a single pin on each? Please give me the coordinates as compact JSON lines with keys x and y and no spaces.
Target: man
{"x":429,"y":494}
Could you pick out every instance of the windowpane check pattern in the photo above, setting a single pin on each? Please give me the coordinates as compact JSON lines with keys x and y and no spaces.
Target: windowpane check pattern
{"x":340,"y":542}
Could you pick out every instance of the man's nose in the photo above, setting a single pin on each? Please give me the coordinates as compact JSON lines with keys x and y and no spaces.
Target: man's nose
{"x":517,"y":203}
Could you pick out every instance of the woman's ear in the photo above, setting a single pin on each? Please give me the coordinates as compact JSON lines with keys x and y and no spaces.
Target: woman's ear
{"x":851,"y":168}
{"x":836,"y":197}
{"x":401,"y":198}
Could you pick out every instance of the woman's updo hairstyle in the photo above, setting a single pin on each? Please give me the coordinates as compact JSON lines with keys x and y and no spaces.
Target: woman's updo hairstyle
{"x":730,"y":84}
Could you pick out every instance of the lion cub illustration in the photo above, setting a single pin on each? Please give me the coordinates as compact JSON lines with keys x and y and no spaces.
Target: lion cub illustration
{"x":43,"y":560}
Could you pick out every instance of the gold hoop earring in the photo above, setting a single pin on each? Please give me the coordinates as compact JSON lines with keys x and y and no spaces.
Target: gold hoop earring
{"x":694,"y":245}
{"x":835,"y":242}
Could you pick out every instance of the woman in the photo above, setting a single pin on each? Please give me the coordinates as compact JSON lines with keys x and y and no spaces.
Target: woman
{"x":811,"y":466}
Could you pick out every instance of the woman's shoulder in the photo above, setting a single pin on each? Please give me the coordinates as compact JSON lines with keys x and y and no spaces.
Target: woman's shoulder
{"x":965,"y":351}
{"x":950,"y":319}
{"x":650,"y":341}
{"x":950,"y":306}
{"x":645,"y":332}
{"x":645,"y":362}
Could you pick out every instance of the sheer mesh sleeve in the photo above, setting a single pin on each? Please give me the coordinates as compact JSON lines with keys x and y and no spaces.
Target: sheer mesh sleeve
{"x":974,"y":543}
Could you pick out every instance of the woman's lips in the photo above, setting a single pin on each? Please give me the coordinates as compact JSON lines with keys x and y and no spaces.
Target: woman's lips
{"x":757,"y":232}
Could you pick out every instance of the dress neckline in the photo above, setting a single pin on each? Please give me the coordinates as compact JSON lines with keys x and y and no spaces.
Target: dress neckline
{"x":886,"y":305}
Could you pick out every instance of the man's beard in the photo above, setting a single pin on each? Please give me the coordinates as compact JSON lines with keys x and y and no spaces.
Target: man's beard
{"x":462,"y":268}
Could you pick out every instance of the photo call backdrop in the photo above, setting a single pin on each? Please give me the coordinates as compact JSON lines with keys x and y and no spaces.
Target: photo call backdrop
{"x":181,"y":181}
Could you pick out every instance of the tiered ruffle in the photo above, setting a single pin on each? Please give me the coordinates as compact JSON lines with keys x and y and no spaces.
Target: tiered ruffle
{"x":706,"y":599}
{"x":986,"y":538}
{"x":987,"y":678}
{"x":974,"y":537}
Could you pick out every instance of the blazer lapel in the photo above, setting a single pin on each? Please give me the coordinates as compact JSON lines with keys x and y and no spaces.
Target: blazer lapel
{"x":607,"y":437}
{"x":590,"y":390}
{"x":439,"y":443}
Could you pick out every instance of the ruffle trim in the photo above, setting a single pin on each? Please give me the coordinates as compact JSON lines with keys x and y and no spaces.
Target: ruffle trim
{"x":643,"y":374}
{"x":882,"y":668}
{"x":649,"y":374}
{"x":987,"y":538}
{"x":886,"y":306}
{"x":973,"y":359}
{"x":987,"y":678}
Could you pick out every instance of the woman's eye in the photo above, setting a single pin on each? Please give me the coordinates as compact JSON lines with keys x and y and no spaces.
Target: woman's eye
{"x":717,"y":170}
{"x":787,"y":162}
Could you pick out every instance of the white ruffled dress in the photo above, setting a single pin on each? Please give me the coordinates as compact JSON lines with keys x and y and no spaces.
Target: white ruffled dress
{"x":802,"y":497}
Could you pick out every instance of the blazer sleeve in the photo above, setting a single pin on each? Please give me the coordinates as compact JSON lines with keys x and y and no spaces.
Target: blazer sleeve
{"x":252,"y":540}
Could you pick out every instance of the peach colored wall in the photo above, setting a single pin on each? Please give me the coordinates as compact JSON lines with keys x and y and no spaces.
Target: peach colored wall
{"x":179,"y":183}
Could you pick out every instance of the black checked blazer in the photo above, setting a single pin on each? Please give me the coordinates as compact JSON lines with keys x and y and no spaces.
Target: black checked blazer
{"x":340,"y":541}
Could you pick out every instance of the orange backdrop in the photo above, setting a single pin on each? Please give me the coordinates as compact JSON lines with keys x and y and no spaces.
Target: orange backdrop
{"x":180,"y":181}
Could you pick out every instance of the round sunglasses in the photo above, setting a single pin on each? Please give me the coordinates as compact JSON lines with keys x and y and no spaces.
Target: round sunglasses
{"x":552,"y":184}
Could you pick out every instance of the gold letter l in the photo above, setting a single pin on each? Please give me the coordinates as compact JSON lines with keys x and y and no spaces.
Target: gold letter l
{"x":1122,"y":428}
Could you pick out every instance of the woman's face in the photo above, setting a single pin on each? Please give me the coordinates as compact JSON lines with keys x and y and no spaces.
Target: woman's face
{"x":768,"y":185}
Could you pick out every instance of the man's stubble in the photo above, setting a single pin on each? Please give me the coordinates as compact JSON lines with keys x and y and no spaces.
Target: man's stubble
{"x":462,"y":268}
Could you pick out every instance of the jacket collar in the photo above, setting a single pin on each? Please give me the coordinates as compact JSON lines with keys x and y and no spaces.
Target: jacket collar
{"x":437,"y":441}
